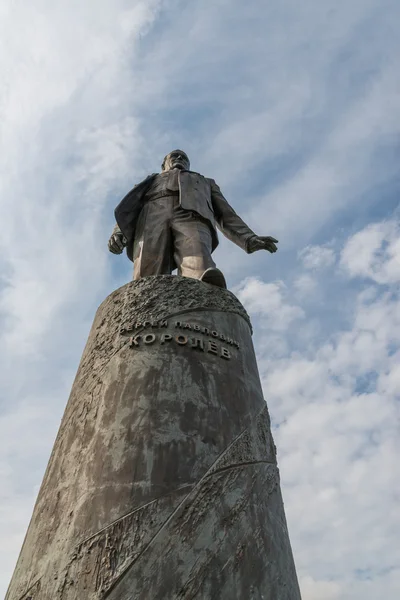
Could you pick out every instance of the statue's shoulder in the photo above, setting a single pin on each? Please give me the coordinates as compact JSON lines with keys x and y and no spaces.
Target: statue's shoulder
{"x":145,"y":180}
{"x":203,"y":176}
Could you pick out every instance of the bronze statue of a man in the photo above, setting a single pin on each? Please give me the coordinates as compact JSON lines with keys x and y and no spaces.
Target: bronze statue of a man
{"x":169,"y":221}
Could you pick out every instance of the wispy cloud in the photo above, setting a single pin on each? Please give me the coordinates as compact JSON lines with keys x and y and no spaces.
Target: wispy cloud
{"x":335,"y":414}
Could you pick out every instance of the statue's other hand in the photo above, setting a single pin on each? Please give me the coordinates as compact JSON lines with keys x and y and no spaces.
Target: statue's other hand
{"x":262,"y":242}
{"x":117,"y":243}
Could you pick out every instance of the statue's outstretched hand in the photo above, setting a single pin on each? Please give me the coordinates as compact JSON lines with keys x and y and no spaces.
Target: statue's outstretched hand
{"x":262,"y":242}
{"x":117,"y":242}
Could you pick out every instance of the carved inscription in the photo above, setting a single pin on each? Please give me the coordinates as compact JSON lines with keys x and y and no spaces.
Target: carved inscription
{"x":184,"y":338}
{"x":127,"y":329}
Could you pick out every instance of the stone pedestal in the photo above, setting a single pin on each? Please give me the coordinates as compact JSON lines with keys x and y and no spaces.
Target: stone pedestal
{"x":162,"y":483}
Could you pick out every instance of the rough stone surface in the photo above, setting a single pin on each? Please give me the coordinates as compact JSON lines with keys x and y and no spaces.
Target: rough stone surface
{"x":162,"y":483}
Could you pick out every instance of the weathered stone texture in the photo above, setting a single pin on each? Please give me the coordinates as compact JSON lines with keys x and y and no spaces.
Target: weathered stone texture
{"x":162,"y":483}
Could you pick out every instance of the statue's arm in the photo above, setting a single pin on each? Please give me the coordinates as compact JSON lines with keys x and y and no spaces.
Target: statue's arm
{"x":117,"y":241}
{"x":234,"y":228}
{"x":228,"y":221}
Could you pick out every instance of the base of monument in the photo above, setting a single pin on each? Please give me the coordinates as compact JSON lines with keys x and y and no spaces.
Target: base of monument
{"x":163,"y":482}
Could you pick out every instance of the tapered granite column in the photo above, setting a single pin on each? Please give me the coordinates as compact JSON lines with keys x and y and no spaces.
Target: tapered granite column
{"x":162,"y":483}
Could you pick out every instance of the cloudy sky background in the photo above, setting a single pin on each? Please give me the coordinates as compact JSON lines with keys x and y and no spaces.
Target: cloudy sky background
{"x":294,"y":108}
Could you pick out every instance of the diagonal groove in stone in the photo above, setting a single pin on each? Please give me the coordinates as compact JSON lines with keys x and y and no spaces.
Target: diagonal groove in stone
{"x":132,"y":512}
{"x":239,"y":465}
{"x":193,"y":492}
{"x":31,"y":589}
{"x":100,"y":558}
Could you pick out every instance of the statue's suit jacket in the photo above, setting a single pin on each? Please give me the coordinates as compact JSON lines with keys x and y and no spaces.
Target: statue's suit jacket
{"x":197,"y":194}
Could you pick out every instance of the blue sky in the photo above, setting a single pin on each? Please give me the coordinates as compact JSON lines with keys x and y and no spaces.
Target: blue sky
{"x":294,"y":108}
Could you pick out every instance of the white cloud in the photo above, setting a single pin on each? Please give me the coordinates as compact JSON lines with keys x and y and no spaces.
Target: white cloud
{"x":335,"y":406}
{"x":317,"y":257}
{"x":268,"y":300}
{"x":305,"y":285}
{"x":320,"y":590}
{"x":374,"y":253}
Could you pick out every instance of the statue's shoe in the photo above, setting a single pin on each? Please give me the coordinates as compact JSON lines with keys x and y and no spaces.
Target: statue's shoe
{"x":214,"y":276}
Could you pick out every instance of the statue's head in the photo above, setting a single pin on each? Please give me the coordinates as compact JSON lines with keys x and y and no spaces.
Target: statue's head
{"x":177,"y":159}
